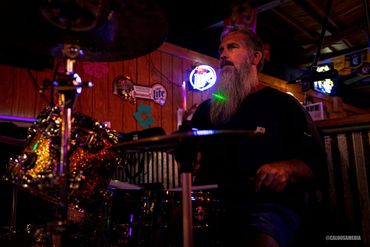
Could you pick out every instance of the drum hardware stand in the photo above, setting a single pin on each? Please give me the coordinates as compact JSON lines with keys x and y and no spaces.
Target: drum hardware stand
{"x":13,"y":220}
{"x":68,"y":85}
{"x":186,"y":163}
{"x":12,"y":230}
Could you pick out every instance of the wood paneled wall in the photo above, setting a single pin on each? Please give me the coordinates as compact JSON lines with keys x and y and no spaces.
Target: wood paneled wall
{"x":169,"y":65}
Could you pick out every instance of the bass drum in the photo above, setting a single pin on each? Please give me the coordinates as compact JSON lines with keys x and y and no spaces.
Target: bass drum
{"x":91,"y":163}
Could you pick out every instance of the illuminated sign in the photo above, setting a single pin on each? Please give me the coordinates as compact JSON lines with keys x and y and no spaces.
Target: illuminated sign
{"x":202,"y":77}
{"x":326,"y":85}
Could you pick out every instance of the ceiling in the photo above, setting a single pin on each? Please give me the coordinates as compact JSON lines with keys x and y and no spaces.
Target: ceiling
{"x":292,"y":29}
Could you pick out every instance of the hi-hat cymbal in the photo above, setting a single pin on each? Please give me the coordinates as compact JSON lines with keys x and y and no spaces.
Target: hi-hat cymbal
{"x":14,"y":142}
{"x":105,"y":30}
{"x":124,"y":185}
{"x":197,"y":187}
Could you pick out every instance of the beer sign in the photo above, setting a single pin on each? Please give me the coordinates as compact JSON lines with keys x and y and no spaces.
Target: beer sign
{"x":202,"y":77}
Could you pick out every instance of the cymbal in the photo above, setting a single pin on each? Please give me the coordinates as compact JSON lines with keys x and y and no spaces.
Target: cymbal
{"x":170,"y":143}
{"x":105,"y":30}
{"x":124,"y":185}
{"x":20,"y":143}
{"x":197,"y":187}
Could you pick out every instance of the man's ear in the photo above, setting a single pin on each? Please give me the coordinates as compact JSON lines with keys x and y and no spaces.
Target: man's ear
{"x":257,"y":57}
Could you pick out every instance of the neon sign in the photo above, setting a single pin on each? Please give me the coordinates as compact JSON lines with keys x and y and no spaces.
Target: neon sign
{"x":326,"y":85}
{"x":202,"y":77}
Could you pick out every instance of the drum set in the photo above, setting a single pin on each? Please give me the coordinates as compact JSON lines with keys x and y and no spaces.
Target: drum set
{"x":114,"y":212}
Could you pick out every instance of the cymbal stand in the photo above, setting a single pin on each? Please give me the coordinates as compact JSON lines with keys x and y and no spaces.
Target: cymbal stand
{"x":186,"y":162}
{"x":68,"y":86}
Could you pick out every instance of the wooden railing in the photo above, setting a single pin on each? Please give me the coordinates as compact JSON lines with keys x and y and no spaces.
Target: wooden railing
{"x":347,"y":192}
{"x":147,"y":168}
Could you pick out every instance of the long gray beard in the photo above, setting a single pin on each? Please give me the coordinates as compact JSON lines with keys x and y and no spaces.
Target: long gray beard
{"x":235,"y":86}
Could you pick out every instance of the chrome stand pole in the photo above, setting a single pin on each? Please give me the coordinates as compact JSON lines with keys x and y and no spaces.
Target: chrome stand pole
{"x":13,"y":220}
{"x":187,"y":212}
{"x":11,"y":231}
{"x":67,"y":85}
{"x":63,"y":175}
{"x":185,"y":155}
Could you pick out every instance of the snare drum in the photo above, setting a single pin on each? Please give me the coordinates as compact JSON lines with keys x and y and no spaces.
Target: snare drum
{"x":205,"y":204}
{"x":137,"y":216}
{"x":91,"y":162}
{"x":206,"y":212}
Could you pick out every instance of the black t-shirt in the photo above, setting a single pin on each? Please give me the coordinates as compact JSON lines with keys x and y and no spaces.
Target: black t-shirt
{"x":289,"y":133}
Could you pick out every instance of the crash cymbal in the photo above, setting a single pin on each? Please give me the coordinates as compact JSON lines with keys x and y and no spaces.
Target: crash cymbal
{"x":173,"y":142}
{"x":105,"y":30}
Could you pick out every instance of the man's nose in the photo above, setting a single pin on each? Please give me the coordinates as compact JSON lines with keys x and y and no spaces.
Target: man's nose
{"x":223,"y":55}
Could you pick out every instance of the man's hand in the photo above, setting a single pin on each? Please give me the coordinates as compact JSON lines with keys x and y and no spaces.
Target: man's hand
{"x":278,"y":175}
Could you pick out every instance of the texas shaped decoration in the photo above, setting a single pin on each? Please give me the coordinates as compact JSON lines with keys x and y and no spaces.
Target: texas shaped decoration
{"x":144,"y":116}
{"x":124,"y":88}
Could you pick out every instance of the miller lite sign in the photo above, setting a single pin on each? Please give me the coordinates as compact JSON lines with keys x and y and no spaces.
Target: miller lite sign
{"x":157,"y":93}
{"x":202,"y":77}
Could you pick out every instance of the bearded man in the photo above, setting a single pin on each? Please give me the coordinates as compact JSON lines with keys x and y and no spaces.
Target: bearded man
{"x":262,"y":180}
